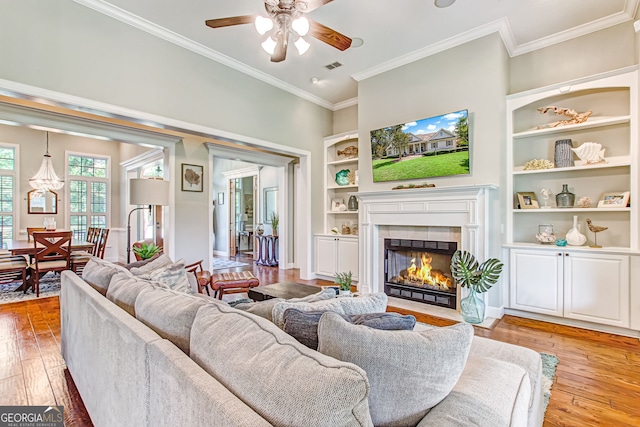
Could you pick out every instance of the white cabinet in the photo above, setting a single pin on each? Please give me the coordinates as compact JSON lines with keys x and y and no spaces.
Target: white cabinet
{"x":593,"y":287}
{"x":336,"y":254}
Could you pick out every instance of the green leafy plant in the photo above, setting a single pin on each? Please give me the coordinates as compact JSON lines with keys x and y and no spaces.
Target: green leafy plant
{"x":146,"y":250}
{"x":344,"y":280}
{"x":469,"y":274}
{"x":275,"y":220}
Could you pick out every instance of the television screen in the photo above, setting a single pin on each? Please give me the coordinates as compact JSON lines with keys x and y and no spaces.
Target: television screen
{"x":436,"y":146}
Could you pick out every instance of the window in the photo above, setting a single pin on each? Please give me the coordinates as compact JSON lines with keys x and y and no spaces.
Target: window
{"x":449,"y":143}
{"x":7,"y":191}
{"x":88,"y":193}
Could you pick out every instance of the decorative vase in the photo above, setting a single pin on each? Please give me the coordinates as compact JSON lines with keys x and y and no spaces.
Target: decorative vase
{"x":472,"y":308}
{"x":260,"y":230}
{"x":353,"y":203}
{"x":345,"y":293}
{"x":563,"y":155}
{"x":565,"y":199}
{"x":574,"y":237}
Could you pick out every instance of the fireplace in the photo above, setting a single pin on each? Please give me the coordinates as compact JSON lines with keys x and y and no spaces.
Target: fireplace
{"x":419,"y":270}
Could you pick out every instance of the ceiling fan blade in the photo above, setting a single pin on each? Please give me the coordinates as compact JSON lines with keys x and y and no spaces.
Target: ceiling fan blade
{"x":329,"y":36}
{"x":280,"y":52}
{"x":314,"y":4}
{"x":227,"y":22}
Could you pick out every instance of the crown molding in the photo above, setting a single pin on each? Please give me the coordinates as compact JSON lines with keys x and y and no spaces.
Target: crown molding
{"x":172,"y":37}
{"x":346,"y":103}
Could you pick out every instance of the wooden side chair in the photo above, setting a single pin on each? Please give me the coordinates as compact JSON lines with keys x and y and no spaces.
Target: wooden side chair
{"x":52,"y":253}
{"x":31,"y":230}
{"x":97,"y":236}
{"x":202,"y":276}
{"x":12,"y":268}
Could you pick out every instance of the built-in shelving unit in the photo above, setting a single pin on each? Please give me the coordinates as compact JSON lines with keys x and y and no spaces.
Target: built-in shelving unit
{"x":577,"y":283}
{"x":338,"y":252}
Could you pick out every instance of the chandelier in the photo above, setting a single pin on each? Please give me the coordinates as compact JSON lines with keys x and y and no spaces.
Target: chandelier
{"x":46,"y":178}
{"x":285,"y":19}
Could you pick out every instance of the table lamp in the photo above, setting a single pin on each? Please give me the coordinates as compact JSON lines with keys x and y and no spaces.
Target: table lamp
{"x":149,"y":192}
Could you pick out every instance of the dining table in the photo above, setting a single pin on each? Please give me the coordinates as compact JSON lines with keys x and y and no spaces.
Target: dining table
{"x":24,"y":247}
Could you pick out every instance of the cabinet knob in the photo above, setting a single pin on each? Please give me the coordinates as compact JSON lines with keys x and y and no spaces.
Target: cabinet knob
{"x":566,"y":254}
{"x":559,"y":253}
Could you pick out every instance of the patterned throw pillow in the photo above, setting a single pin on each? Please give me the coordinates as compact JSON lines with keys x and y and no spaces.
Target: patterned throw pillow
{"x":172,"y":275}
{"x":156,"y":263}
{"x":409,"y":372}
{"x":303,"y":326}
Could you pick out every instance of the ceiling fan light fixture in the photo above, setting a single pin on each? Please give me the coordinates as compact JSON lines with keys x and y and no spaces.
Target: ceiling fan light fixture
{"x":301,"y":26}
{"x":302,"y":45}
{"x":444,"y":3}
{"x":269,"y":45}
{"x":263,"y":24}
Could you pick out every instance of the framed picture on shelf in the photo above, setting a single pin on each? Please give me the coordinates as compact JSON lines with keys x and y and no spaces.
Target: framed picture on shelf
{"x":527,"y":200}
{"x":192,"y":177}
{"x":335,"y":204}
{"x":614,"y":200}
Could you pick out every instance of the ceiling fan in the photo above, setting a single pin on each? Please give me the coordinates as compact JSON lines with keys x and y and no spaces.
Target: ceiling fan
{"x":285,"y":20}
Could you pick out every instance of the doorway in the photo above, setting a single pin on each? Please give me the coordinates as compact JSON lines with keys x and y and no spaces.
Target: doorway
{"x":242,"y":208}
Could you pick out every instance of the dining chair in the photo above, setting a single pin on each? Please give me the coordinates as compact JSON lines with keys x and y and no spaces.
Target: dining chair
{"x":12,"y":268}
{"x":97,"y":236}
{"x":52,"y":253}
{"x":31,"y":230}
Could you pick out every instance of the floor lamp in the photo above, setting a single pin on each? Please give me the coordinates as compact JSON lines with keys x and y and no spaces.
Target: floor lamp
{"x":149,"y":192}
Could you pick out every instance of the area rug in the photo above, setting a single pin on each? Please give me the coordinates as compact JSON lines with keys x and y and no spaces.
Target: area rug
{"x":49,"y":287}
{"x":549,"y":365}
{"x":219,"y":264}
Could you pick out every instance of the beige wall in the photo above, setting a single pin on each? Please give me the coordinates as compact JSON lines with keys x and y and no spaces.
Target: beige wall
{"x":345,"y":120}
{"x":69,"y":48}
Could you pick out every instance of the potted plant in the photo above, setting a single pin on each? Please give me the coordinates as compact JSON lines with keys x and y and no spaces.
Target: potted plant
{"x":478,"y":278}
{"x":146,"y":250}
{"x":275,"y":220}
{"x":343,"y":280}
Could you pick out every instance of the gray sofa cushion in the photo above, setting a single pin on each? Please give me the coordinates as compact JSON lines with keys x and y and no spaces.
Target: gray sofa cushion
{"x":98,"y":273}
{"x":490,"y":392}
{"x":369,"y":303}
{"x":285,"y":382}
{"x":169,"y":313}
{"x":303,"y":326}
{"x":409,"y":371}
{"x":124,"y":290}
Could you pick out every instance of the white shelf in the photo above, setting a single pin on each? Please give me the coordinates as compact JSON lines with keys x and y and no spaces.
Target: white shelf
{"x":611,"y":162}
{"x":343,"y":161}
{"x":341,"y":212}
{"x":337,"y":187}
{"x":585,"y":248}
{"x":569,"y":210}
{"x":591,"y":122}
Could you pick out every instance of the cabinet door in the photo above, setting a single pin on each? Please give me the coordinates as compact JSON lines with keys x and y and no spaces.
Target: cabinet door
{"x":348,"y":256}
{"x":536,"y":281}
{"x":596,"y":288}
{"x":326,"y":255}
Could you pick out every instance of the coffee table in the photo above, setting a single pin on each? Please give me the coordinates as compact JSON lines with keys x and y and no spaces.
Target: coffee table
{"x":286,"y":290}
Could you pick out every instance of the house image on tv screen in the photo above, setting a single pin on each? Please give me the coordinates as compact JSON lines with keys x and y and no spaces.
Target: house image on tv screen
{"x":432,"y":147}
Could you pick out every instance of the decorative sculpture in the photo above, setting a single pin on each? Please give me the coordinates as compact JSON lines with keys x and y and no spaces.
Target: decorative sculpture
{"x":536,"y":164}
{"x":546,"y":193}
{"x":596,"y":229}
{"x":575,"y":116}
{"x":584,"y":202}
{"x":590,"y":153}
{"x":351,"y":152}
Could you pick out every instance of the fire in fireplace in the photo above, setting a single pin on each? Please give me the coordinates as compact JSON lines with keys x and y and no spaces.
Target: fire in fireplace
{"x":419,"y":270}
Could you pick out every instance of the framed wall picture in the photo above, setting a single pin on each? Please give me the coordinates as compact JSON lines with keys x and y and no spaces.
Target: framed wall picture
{"x":335,"y":204}
{"x":192,"y":177}
{"x":614,"y":200}
{"x":528,"y":200}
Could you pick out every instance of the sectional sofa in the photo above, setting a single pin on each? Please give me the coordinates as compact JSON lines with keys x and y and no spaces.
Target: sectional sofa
{"x":142,"y":354}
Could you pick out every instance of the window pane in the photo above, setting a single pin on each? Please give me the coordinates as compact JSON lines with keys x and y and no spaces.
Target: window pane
{"x":99,"y":197}
{"x":7,"y":159}
{"x":78,"y":196}
{"x":99,"y":221}
{"x":6,"y":227}
{"x":79,"y":226}
{"x":6,"y":194}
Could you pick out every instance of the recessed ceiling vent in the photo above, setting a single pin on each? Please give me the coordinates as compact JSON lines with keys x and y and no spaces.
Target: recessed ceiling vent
{"x":333,"y":65}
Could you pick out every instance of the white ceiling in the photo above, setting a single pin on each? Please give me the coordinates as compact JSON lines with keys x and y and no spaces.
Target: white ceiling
{"x":395,"y":32}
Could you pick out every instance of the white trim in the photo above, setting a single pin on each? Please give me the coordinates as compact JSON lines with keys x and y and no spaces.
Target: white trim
{"x":238,"y":173}
{"x":172,"y":37}
{"x":257,"y":157}
{"x":15,"y":173}
{"x":143,"y":159}
{"x":344,"y":104}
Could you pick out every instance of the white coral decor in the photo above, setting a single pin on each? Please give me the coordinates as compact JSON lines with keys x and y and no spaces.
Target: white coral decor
{"x":536,"y":164}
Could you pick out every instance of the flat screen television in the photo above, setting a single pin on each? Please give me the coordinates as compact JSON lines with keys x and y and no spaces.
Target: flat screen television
{"x":427,"y":148}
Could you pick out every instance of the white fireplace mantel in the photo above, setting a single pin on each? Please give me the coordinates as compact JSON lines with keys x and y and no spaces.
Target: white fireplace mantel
{"x":466,"y":207}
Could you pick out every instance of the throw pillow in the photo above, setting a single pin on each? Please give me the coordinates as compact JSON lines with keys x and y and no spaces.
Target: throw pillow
{"x":410,"y":372}
{"x":369,"y":303}
{"x":98,"y":274}
{"x":159,"y":262}
{"x":142,"y":262}
{"x":172,"y":275}
{"x":328,"y":293}
{"x":260,"y":308}
{"x":124,"y":290}
{"x":303,"y":326}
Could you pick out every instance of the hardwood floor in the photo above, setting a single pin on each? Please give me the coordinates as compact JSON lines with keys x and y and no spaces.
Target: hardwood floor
{"x":597,"y":381}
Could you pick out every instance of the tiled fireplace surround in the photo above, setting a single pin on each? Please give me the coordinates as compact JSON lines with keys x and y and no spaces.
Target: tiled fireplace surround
{"x":455,"y":214}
